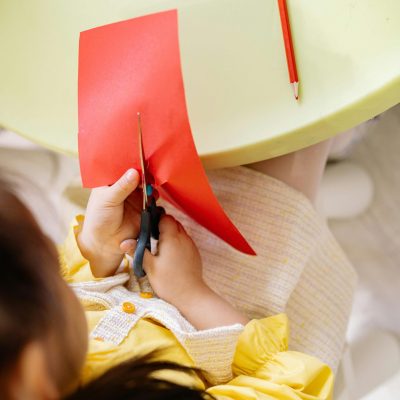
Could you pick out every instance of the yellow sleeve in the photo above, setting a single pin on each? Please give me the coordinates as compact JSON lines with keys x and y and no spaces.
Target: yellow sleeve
{"x":70,"y":257}
{"x":263,"y":367}
{"x":73,"y":266}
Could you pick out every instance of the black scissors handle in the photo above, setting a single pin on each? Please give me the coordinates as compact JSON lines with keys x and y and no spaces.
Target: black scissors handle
{"x":142,"y":244}
{"x":149,"y":220}
{"x":156,"y":213}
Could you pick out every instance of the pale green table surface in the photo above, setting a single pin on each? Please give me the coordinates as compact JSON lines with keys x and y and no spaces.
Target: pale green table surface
{"x":240,"y":103}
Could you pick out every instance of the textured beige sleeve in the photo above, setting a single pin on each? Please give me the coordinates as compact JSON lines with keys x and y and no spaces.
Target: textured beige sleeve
{"x":299,"y":268}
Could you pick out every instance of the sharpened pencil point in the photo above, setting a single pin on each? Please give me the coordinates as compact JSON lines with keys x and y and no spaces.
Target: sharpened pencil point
{"x":295,"y":86}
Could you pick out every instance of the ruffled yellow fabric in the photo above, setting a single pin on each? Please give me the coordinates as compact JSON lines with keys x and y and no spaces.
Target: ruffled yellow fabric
{"x":268,"y":336}
{"x":263,"y":367}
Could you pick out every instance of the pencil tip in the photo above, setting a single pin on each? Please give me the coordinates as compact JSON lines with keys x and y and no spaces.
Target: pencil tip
{"x":295,"y":86}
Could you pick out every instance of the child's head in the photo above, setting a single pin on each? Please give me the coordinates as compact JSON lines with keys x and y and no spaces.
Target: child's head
{"x":43,"y":335}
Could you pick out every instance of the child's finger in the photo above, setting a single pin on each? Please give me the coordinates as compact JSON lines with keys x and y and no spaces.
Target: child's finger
{"x":168,"y":225}
{"x":120,"y":190}
{"x":128,"y":246}
{"x":148,"y":261}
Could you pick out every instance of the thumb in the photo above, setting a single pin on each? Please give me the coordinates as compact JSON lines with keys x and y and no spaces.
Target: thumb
{"x":120,"y":190}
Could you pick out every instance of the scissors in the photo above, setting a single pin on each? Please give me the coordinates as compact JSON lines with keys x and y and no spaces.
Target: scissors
{"x":149,"y":219}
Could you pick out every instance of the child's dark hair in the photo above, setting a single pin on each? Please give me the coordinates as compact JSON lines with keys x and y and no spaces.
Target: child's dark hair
{"x":31,"y":310}
{"x":135,"y":379}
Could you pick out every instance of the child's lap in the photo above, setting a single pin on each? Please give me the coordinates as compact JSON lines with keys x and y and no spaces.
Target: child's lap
{"x":299,"y":268}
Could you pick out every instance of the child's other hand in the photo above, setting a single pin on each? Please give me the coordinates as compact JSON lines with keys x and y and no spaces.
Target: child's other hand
{"x":112,"y":217}
{"x":175,"y":273}
{"x":176,"y":276}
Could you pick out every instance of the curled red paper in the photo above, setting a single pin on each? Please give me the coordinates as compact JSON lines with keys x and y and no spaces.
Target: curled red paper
{"x":134,"y":66}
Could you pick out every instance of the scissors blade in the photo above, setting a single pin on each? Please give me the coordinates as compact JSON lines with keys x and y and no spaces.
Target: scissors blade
{"x":141,"y":156}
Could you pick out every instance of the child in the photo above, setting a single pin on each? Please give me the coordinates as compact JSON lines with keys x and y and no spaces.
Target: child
{"x":241,"y":359}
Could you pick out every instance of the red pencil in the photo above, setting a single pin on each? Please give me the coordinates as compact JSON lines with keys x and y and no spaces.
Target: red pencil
{"x":287,"y":38}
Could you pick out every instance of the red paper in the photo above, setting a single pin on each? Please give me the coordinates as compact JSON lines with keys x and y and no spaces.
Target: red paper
{"x":134,"y":66}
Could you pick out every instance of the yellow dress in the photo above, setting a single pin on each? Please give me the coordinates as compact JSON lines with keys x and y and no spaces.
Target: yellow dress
{"x":255,"y":361}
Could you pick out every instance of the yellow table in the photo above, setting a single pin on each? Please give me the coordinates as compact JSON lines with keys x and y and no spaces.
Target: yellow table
{"x":240,"y":103}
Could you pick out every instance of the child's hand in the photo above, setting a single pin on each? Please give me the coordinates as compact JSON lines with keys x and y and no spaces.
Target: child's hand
{"x":176,"y":276}
{"x":112,"y":217}
{"x":176,"y":272}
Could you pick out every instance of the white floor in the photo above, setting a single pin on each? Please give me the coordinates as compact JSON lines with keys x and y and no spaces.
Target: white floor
{"x":372,"y":242}
{"x":50,"y":185}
